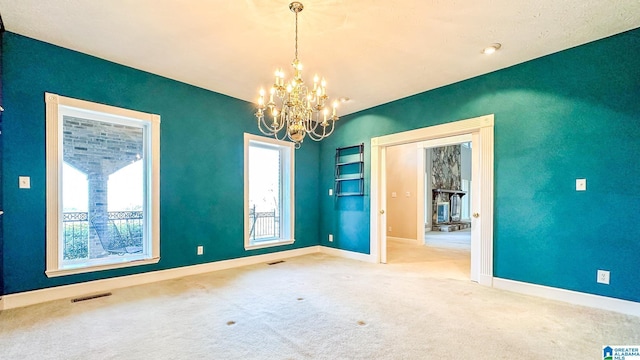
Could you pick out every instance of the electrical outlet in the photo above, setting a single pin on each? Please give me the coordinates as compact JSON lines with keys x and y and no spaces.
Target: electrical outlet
{"x":200,"y":250}
{"x":407,"y":194}
{"x":581,"y":184}
{"x":330,"y":237}
{"x":603,"y":277}
{"x":24,"y":182}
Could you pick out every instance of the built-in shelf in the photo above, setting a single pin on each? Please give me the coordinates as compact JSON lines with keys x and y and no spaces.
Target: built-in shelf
{"x":450,"y":192}
{"x":348,"y":163}
{"x":351,"y":194}
{"x":349,"y":171}
{"x":350,"y":177}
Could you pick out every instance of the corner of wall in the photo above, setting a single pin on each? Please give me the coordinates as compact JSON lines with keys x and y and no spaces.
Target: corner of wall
{"x":1,"y":152}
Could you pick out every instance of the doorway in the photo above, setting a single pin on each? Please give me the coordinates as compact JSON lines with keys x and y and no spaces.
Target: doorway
{"x":479,"y":131}
{"x":441,"y":166}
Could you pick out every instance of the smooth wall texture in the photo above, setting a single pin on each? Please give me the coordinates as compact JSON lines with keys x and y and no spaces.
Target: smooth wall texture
{"x":402,"y":179}
{"x":573,"y":114}
{"x":201,"y":161}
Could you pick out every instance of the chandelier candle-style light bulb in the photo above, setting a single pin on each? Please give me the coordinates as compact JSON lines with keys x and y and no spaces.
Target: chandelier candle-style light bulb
{"x":301,"y":110}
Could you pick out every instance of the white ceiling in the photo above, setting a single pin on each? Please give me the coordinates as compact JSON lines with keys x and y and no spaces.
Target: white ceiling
{"x":372,"y":51}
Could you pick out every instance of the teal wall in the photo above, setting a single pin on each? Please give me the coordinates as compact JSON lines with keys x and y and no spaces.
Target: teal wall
{"x":1,"y":177}
{"x":573,"y":114}
{"x":201,"y":171}
{"x":569,"y":115}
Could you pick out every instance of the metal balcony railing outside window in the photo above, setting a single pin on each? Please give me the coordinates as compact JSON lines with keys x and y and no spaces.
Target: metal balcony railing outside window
{"x":265,"y":225}
{"x":124,"y":229}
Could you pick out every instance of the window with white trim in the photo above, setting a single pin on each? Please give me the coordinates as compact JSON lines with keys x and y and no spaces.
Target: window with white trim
{"x":268,"y":192}
{"x":103,"y":177}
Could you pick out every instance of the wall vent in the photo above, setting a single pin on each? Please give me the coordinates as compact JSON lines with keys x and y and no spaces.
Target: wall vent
{"x":90,"y":297}
{"x":275,"y":262}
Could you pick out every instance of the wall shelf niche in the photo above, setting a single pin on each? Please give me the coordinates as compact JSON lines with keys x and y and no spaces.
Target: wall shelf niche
{"x":349,"y":170}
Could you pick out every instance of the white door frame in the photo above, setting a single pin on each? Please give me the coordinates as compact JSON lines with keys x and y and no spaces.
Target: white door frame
{"x":481,"y":131}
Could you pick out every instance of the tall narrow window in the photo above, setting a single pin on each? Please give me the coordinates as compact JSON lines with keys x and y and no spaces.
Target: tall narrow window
{"x":466,"y":200}
{"x":102,"y":186}
{"x":268,"y":192}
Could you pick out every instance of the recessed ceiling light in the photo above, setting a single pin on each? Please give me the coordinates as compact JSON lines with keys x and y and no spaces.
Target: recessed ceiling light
{"x":491,"y":48}
{"x":344,"y":99}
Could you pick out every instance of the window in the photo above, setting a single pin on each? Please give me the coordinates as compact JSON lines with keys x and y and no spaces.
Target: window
{"x":102,"y":186}
{"x":466,"y":200}
{"x":268,"y":192}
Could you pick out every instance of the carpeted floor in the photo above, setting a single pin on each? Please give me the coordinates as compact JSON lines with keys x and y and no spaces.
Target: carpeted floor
{"x":460,"y":239}
{"x":316,"y":307}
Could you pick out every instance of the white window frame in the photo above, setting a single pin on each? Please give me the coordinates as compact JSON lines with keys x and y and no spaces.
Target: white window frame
{"x":287,"y":215}
{"x":58,"y":106}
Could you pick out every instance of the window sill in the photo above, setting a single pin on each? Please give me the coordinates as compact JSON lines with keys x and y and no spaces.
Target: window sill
{"x":93,"y":268}
{"x":268,"y":244}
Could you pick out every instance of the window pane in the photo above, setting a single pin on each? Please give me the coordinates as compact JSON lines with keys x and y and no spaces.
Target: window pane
{"x":104,"y":165}
{"x":268,"y":192}
{"x":466,"y":200}
{"x":265,"y":192}
{"x":74,"y":207}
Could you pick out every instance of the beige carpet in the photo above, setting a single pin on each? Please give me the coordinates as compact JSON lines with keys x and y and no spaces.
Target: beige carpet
{"x":440,"y":261}
{"x":460,"y":239}
{"x":315,"y":307}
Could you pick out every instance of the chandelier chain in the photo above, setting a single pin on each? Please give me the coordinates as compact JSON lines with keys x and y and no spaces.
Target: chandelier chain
{"x":296,"y":35}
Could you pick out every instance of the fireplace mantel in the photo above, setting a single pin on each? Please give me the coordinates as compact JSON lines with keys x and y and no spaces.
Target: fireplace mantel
{"x":444,"y":217}
{"x":450,"y":192}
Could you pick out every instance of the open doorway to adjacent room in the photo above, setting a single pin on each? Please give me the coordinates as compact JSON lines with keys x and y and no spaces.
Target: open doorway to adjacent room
{"x":441,"y":238}
{"x":387,"y":244}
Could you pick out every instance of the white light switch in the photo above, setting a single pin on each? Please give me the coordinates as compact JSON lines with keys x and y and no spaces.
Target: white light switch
{"x":581,"y":184}
{"x":330,"y":192}
{"x":394,"y":194}
{"x":25,"y":182}
{"x":407,"y":194}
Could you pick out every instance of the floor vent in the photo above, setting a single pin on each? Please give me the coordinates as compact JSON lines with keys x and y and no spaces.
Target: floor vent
{"x":275,"y":262}
{"x":90,"y":297}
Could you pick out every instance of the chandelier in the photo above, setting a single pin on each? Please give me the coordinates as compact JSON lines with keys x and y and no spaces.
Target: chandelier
{"x":294,"y":107}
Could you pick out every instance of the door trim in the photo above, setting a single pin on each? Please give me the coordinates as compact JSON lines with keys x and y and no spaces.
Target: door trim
{"x":481,"y":130}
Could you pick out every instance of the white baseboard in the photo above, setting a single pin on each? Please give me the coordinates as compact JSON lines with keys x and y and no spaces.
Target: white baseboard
{"x":346,"y":254}
{"x":572,"y":297}
{"x":486,"y":280}
{"x":405,"y":240}
{"x":91,"y":287}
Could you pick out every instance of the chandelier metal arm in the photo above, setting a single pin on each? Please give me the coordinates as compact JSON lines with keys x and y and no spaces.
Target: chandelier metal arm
{"x":313,"y":135}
